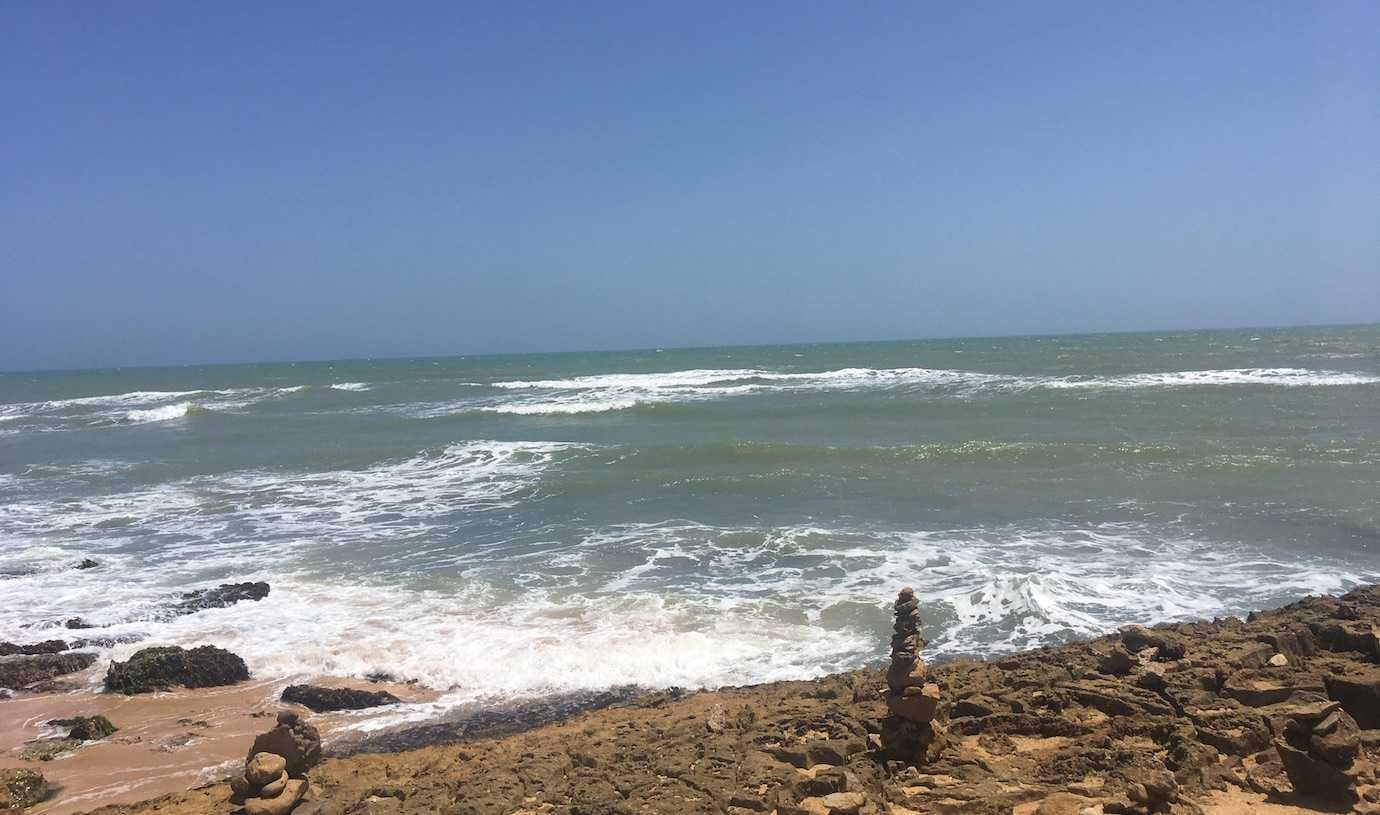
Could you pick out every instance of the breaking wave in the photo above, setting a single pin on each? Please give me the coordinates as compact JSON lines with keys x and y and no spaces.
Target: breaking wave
{"x":602,"y":393}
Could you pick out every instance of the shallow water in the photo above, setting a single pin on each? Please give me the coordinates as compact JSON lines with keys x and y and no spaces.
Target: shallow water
{"x":502,"y":527}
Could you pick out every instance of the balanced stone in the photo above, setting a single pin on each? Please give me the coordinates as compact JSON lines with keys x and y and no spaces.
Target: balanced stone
{"x":909,"y":732}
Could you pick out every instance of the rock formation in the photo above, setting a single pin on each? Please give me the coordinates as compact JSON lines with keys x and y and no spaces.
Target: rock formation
{"x":296,"y":741}
{"x":166,"y":667}
{"x":20,"y":671}
{"x":321,"y":700}
{"x":908,"y":732}
{"x":222,"y":596}
{"x":21,"y":788}
{"x":9,"y":649}
{"x":1321,"y":753}
{"x":265,"y":787}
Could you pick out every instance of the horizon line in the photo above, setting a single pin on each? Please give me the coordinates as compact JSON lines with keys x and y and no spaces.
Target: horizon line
{"x":658,"y":349}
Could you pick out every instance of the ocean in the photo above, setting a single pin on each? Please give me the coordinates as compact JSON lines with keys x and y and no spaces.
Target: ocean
{"x":504,"y":527}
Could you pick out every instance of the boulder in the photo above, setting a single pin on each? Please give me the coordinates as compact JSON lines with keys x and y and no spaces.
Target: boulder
{"x":1359,"y":693}
{"x":165,"y":667}
{"x":281,"y":804}
{"x":21,"y":671}
{"x":21,"y":788}
{"x":87,"y":728}
{"x":321,"y":700}
{"x":9,"y":649}
{"x":86,"y":563}
{"x":1117,"y":663}
{"x":296,"y":741}
{"x":222,"y":596}
{"x":264,"y":768}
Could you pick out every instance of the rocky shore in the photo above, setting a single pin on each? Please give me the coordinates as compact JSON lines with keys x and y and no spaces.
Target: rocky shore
{"x":1278,"y":713}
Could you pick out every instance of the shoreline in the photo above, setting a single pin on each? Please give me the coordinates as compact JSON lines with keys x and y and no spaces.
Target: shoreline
{"x":1203,"y":703}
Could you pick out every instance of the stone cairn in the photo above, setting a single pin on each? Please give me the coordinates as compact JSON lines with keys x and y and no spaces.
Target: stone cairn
{"x":274,"y":780}
{"x":1321,"y":753}
{"x":909,"y":732}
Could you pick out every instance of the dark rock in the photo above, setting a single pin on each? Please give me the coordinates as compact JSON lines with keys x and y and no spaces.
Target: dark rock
{"x":226,"y":594}
{"x":1168,"y":646}
{"x":86,"y":563}
{"x":1347,"y":636}
{"x":165,"y":667}
{"x":89,"y":728}
{"x":1359,"y":693}
{"x":321,"y":699}
{"x":1312,"y":776}
{"x":76,"y":623}
{"x":21,"y":671}
{"x":296,"y":741}
{"x":8,"y":649}
{"x":1117,"y":663}
{"x":21,"y":788}
{"x":975,"y":705}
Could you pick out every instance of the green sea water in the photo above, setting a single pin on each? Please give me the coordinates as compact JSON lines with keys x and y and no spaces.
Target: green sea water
{"x":513,"y":525}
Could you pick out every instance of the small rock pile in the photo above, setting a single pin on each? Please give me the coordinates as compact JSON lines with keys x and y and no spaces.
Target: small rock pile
{"x":265,"y":788}
{"x":909,"y":732}
{"x":1321,"y":753}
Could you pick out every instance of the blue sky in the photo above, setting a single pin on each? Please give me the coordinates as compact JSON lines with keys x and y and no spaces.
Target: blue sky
{"x":236,"y":181}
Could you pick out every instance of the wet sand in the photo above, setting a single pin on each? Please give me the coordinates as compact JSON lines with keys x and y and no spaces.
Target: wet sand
{"x":166,"y":742}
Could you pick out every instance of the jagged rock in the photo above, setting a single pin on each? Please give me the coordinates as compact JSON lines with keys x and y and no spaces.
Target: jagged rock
{"x":9,"y":649}
{"x":86,"y":563}
{"x":226,"y":594}
{"x":1312,"y":776}
{"x":296,"y":741}
{"x":76,"y":623}
{"x":975,"y":705}
{"x":21,"y":671}
{"x":87,"y":728}
{"x":1116,"y":663}
{"x":1168,"y":647}
{"x":48,"y":749}
{"x":321,"y":699}
{"x":165,"y":667}
{"x":1117,"y":698}
{"x":20,"y":789}
{"x":1359,"y":693}
{"x":1347,"y":636}
{"x":1258,"y":688}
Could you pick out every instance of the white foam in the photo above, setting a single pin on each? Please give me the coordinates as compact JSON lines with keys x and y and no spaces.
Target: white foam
{"x":571,"y":406}
{"x":601,"y":393}
{"x":159,"y":414}
{"x":351,"y":386}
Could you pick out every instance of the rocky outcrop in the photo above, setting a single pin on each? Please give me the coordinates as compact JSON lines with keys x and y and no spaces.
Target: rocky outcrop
{"x":292,"y":738}
{"x":1261,"y":714}
{"x":19,"y":672}
{"x":909,"y":732}
{"x":265,"y":787}
{"x":1321,"y":753}
{"x":86,"y":563}
{"x":9,"y":649}
{"x":86,"y":728}
{"x":21,"y":788}
{"x":222,"y":596}
{"x":321,"y":700}
{"x":166,"y":667}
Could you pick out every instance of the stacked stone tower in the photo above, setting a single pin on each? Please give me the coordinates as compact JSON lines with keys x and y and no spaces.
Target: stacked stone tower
{"x":909,"y":732}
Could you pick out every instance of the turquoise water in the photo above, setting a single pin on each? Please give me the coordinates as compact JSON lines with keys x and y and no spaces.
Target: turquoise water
{"x":504,"y":526}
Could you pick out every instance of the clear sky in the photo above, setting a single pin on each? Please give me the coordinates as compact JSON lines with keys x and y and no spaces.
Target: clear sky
{"x":185,"y":182}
